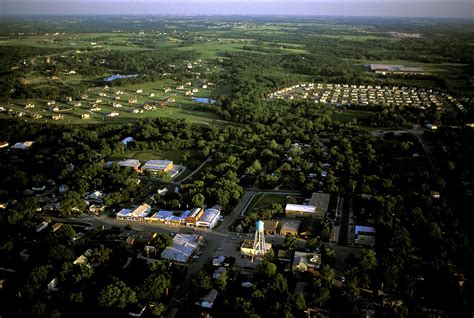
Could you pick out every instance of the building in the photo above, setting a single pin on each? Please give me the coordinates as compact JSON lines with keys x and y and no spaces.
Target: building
{"x":270,"y":227}
{"x":85,"y":116}
{"x":131,"y":163}
{"x":395,"y":69}
{"x":321,"y":202}
{"x":23,"y":145}
{"x":290,"y":227}
{"x":247,"y":248}
{"x":127,"y":140}
{"x":123,"y":214}
{"x":209,"y":218}
{"x":194,"y":216}
{"x":364,"y":235}
{"x":156,"y":166}
{"x":208,"y":301}
{"x":218,"y":261}
{"x":140,"y":212}
{"x":298,"y":210}
{"x":219,"y":272}
{"x":183,"y":247}
{"x":303,"y":261}
{"x":3,"y":144}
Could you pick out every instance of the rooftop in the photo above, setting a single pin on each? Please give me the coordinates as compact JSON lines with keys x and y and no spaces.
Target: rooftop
{"x":300,"y":208}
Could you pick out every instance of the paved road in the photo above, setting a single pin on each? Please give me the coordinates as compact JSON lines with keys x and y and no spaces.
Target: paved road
{"x":196,"y":170}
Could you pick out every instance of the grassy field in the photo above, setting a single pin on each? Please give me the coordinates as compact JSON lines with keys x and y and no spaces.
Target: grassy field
{"x":173,"y":155}
{"x":265,"y":201}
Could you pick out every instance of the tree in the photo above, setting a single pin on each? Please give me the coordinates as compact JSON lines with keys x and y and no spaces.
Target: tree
{"x":153,"y":287}
{"x":116,"y":295}
{"x":201,"y":282}
{"x":268,"y":269}
{"x":198,"y":200}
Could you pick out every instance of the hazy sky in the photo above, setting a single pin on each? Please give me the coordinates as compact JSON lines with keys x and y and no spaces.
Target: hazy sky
{"x":386,"y":8}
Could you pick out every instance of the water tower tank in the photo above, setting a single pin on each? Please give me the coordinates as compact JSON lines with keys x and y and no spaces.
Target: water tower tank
{"x":260,"y":226}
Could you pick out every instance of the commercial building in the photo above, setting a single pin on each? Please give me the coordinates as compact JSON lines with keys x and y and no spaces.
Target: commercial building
{"x":298,"y":210}
{"x":156,"y":166}
{"x":304,"y":261}
{"x":168,"y":217}
{"x":270,"y":227}
{"x":137,"y":214}
{"x":194,"y":216}
{"x":209,"y":218}
{"x":183,"y":247}
{"x":321,"y":202}
{"x":290,"y":227}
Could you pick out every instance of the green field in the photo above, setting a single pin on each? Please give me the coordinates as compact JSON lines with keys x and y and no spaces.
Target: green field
{"x":261,"y":201}
{"x":173,"y":155}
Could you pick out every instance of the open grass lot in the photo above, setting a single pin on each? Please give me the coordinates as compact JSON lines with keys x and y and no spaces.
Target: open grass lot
{"x":173,"y":155}
{"x":261,"y":201}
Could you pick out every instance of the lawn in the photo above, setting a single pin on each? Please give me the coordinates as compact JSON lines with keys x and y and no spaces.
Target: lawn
{"x":265,"y":201}
{"x":173,"y":155}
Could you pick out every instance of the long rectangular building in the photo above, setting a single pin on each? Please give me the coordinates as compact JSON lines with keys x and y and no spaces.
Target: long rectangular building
{"x":156,"y":166}
{"x":299,"y":210}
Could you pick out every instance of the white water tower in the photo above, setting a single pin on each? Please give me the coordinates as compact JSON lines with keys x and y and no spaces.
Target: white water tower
{"x":259,"y":242}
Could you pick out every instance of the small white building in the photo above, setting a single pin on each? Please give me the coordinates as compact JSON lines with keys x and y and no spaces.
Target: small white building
{"x":126,"y":140}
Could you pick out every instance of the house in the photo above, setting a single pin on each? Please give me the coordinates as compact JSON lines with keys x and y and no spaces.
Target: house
{"x":183,"y":247}
{"x":3,"y":144}
{"x":53,"y":285}
{"x":290,"y":227}
{"x":219,"y":272}
{"x":97,"y":209}
{"x":364,"y":235}
{"x":155,"y":166}
{"x":127,"y":140}
{"x":22,"y":145}
{"x":85,"y":116}
{"x":218,"y":261}
{"x":56,"y":226}
{"x":40,"y":227}
{"x":270,"y":227}
{"x":208,"y":301}
{"x":209,"y":218}
{"x":321,"y":202}
{"x":304,"y":261}
{"x":298,"y":210}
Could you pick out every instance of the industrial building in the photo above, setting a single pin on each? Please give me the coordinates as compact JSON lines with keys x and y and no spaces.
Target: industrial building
{"x":183,"y":247}
{"x":157,"y":166}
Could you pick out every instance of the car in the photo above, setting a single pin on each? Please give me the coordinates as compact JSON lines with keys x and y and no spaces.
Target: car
{"x":219,"y":248}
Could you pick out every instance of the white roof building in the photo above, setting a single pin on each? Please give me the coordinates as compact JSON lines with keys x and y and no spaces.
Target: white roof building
{"x":127,"y":140}
{"x":209,"y":218}
{"x":183,"y":247}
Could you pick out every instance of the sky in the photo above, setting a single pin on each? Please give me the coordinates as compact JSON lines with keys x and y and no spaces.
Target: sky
{"x":381,"y":8}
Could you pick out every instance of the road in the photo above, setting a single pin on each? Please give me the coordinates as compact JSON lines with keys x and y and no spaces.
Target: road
{"x":196,"y":170}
